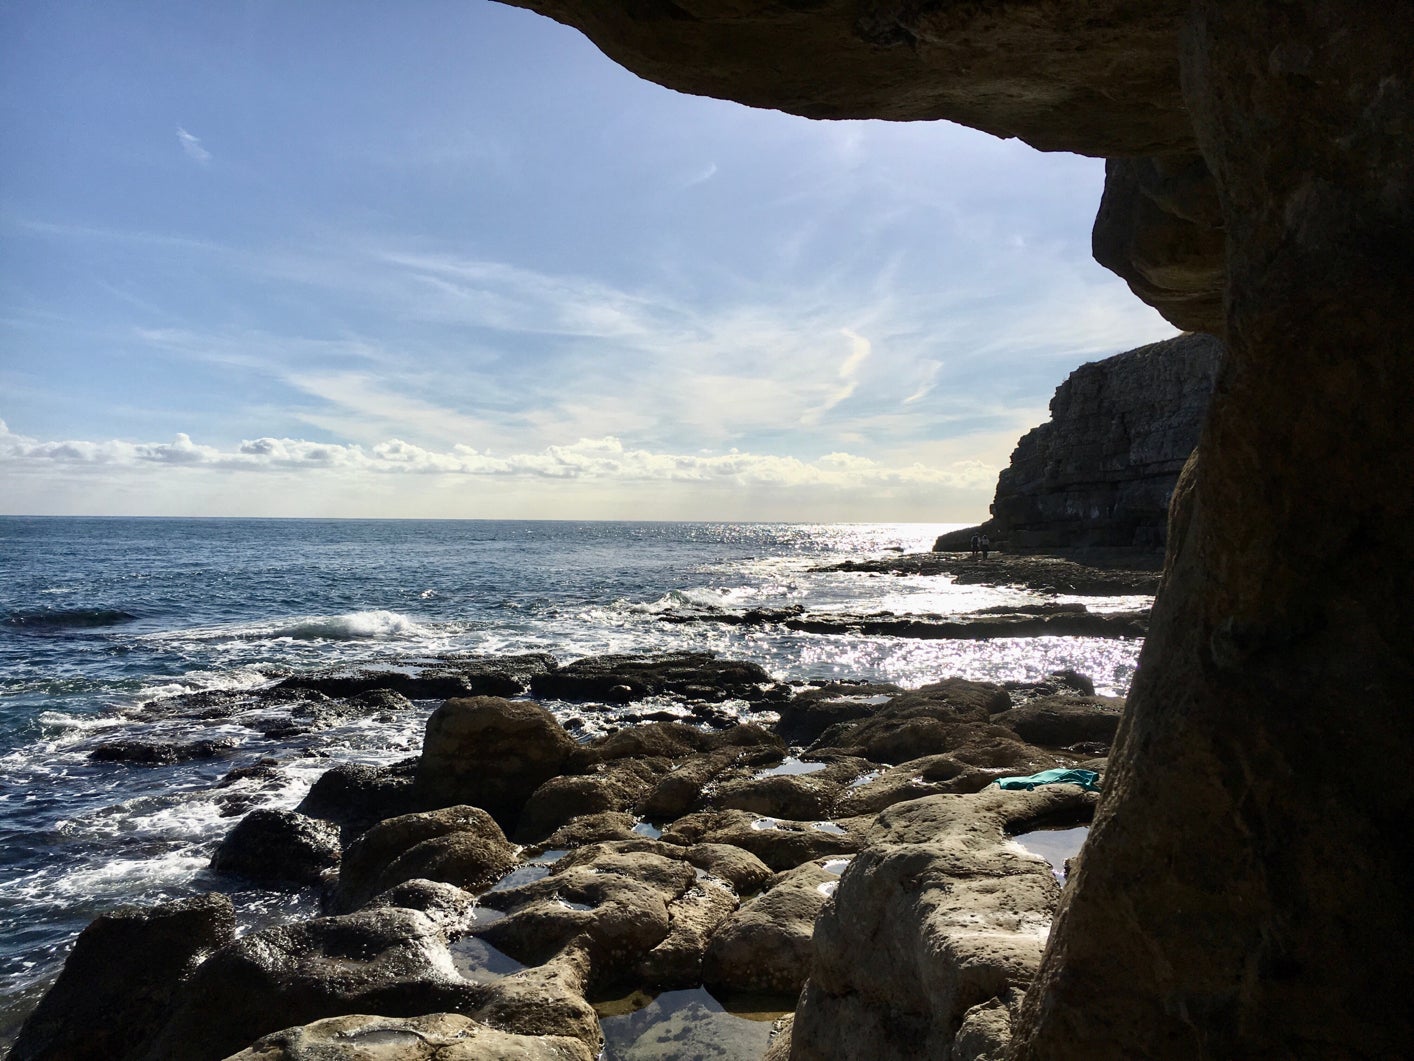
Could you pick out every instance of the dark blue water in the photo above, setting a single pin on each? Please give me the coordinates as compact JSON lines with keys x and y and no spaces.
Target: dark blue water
{"x":99,"y":617}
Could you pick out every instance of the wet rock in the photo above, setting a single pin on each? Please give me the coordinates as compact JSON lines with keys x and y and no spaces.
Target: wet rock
{"x":615,"y":786}
{"x":450,"y":677}
{"x":950,"y":717}
{"x":589,"y":829}
{"x":118,"y":981}
{"x":458,"y":845}
{"x":679,"y":789}
{"x":812,"y":711}
{"x":355,"y":796}
{"x":490,"y":753}
{"x":940,"y":912}
{"x":159,"y":752}
{"x":438,"y":1037}
{"x":765,"y":946}
{"x":615,"y":896}
{"x":985,"y":1031}
{"x":693,"y":919}
{"x":930,"y":775}
{"x":1057,"y":683}
{"x":744,"y":871}
{"x":780,"y":844}
{"x":623,"y":679}
{"x":279,"y":847}
{"x":547,"y":999}
{"x":1065,"y":721}
{"x":389,"y":961}
{"x":451,"y":908}
{"x":801,"y":797}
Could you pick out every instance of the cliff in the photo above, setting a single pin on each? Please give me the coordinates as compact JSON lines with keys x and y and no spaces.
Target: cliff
{"x":1101,"y":471}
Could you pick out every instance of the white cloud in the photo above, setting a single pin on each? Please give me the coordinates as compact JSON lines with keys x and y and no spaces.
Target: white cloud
{"x":604,"y":459}
{"x":192,"y":146}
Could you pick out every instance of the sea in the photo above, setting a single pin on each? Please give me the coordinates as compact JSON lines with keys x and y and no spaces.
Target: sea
{"x":100,"y":618}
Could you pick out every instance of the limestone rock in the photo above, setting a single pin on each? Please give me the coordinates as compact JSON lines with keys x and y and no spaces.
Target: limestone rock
{"x":623,"y":679}
{"x":1160,"y":227}
{"x":693,"y":918}
{"x":458,"y":845}
{"x":355,"y":796}
{"x":1065,"y":721}
{"x":613,"y":898}
{"x":437,"y":1037}
{"x":1101,"y":471}
{"x":812,"y":711}
{"x":939,"y":913}
{"x":613,"y":787}
{"x":744,"y":871}
{"x":766,"y":945}
{"x":279,"y":847}
{"x":490,"y":753}
{"x":779,"y":843}
{"x":390,"y":961}
{"x":1099,"y":77}
{"x":118,"y":981}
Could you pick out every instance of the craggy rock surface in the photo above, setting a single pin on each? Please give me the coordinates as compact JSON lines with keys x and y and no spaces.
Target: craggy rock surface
{"x":1101,"y":471}
{"x":623,"y":679}
{"x":1054,"y":620}
{"x":939,"y":912}
{"x":491,"y":753}
{"x":1045,"y":574}
{"x":119,"y":979}
{"x":439,"y":1037}
{"x":433,"y":911}
{"x":279,"y":847}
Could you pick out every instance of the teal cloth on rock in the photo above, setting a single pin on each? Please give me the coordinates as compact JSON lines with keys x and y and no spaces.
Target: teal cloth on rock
{"x":1086,"y":779}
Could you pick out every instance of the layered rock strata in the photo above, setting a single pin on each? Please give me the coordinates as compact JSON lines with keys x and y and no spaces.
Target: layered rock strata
{"x":1101,"y":471}
{"x":1243,"y":893}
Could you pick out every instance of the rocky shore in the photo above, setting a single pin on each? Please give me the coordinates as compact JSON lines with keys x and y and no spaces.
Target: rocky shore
{"x":531,"y":887}
{"x":481,"y":899}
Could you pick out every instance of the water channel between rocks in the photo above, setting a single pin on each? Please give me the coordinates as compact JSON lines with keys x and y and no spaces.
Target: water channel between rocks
{"x":690,"y":1025}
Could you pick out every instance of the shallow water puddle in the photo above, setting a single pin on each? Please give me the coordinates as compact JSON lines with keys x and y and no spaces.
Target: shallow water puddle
{"x":478,"y":961}
{"x":835,"y":865}
{"x":833,"y":828}
{"x":790,"y":766}
{"x":687,"y":1025}
{"x":648,"y":829}
{"x":534,"y":869}
{"x":1055,"y":845}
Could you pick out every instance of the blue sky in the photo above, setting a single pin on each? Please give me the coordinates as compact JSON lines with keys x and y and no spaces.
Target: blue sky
{"x":445,"y":259}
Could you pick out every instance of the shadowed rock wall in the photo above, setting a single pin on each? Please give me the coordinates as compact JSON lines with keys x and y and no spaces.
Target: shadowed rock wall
{"x":1102,"y":470}
{"x":1244,"y":890}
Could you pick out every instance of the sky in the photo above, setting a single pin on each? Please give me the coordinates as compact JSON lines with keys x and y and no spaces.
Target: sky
{"x":445,"y":259}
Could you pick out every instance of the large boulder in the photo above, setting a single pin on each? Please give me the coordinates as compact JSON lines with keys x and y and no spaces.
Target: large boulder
{"x":390,"y":961}
{"x":355,"y":795}
{"x":939,"y":912}
{"x":119,"y":979}
{"x":279,"y":847}
{"x":766,"y":945}
{"x":490,"y":753}
{"x":613,"y":897}
{"x":457,"y":845}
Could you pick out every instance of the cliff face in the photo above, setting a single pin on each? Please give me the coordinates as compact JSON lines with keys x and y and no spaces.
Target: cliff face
{"x":1102,"y":470}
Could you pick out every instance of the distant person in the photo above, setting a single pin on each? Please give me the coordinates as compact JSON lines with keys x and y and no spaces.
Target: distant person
{"x":986,"y":544}
{"x":976,"y":545}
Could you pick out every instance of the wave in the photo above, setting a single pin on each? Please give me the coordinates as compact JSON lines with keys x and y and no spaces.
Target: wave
{"x":67,"y":618}
{"x":376,"y":625}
